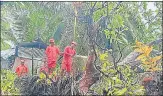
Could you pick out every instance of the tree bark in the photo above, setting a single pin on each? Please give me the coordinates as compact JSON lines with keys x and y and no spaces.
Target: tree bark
{"x":88,"y":77}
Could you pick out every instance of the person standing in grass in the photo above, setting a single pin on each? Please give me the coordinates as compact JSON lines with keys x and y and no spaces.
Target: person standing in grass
{"x":44,"y":67}
{"x":52,"y":53}
{"x":69,"y":53}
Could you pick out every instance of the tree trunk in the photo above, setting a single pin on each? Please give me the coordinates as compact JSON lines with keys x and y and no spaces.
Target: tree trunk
{"x":88,"y":77}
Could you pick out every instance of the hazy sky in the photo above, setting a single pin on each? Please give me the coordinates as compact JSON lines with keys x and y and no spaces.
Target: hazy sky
{"x":151,"y":6}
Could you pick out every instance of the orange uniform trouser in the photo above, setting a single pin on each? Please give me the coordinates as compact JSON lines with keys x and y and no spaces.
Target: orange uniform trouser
{"x":51,"y":64}
{"x":66,"y":66}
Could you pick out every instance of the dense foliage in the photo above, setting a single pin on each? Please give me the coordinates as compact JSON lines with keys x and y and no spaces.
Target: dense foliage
{"x":125,"y":83}
{"x":44,"y":85}
{"x":7,"y":83}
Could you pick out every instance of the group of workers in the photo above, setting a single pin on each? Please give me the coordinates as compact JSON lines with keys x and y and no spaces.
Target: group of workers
{"x":52,"y":53}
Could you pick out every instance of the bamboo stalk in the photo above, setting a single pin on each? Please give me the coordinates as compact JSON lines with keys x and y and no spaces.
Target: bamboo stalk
{"x":75,"y":10}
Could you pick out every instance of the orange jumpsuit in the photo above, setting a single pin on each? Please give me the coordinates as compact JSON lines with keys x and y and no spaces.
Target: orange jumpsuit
{"x":67,"y":58}
{"x":21,"y":70}
{"x":52,"y":53}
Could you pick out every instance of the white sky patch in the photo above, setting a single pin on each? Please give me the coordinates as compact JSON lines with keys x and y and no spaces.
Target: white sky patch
{"x":151,"y":6}
{"x":67,"y":3}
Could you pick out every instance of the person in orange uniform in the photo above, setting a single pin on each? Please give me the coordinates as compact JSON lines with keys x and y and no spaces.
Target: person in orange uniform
{"x":69,"y":53}
{"x":52,"y":53}
{"x":22,"y":70}
{"x":44,"y":67}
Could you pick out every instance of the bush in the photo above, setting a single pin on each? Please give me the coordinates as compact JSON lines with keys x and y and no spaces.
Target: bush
{"x":7,"y":83}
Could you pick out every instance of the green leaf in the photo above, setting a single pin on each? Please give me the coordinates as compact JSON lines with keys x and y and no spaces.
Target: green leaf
{"x":118,"y":81}
{"x":107,"y":33}
{"x":121,"y":92}
{"x":130,"y":93}
{"x":145,"y":5}
{"x":125,"y":40}
{"x":119,"y":40}
{"x":120,"y":19}
{"x":99,"y":4}
{"x":111,"y":71}
{"x":118,"y":85}
{"x":104,"y":65}
{"x":103,"y":56}
{"x":117,"y":21}
{"x":97,"y":15}
{"x":48,"y":81}
{"x":122,"y":33}
{"x":42,"y":75}
{"x":4,"y":45}
{"x":110,"y":6}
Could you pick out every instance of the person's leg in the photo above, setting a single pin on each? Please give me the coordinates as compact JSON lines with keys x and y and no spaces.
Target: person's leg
{"x":52,"y":66}
{"x":62,"y":72}
{"x":49,"y":70}
{"x":63,"y":67}
{"x":68,"y":70}
{"x":49,"y":67}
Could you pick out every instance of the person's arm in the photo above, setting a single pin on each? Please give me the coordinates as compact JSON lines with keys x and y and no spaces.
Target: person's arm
{"x":67,"y":52}
{"x":26,"y":70}
{"x":58,"y":51}
{"x":17,"y":71}
{"x":74,"y":53}
{"x":47,"y":51}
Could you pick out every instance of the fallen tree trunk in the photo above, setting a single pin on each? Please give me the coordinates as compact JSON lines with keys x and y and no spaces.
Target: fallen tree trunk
{"x":131,"y":58}
{"x":88,"y":77}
